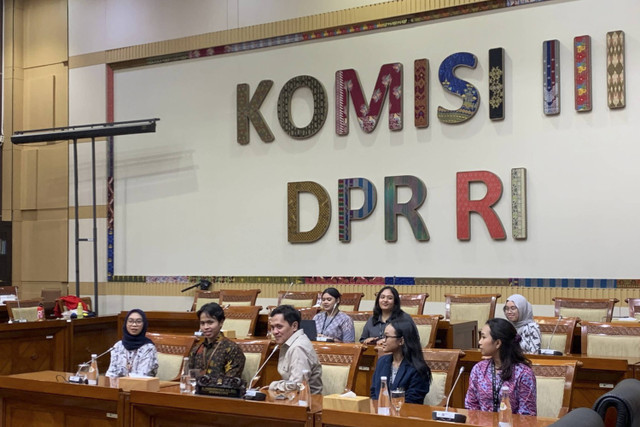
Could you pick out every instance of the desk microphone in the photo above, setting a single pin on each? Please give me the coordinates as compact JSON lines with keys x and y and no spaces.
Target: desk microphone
{"x":548,"y":351}
{"x":254,"y":394}
{"x":452,"y":417}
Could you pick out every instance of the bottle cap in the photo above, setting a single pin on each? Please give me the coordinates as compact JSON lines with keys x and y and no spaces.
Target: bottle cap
{"x":383,"y":378}
{"x":505,"y":388}
{"x":94,"y":355}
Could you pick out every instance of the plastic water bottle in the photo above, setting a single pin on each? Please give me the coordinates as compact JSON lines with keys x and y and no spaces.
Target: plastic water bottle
{"x":505,"y":416}
{"x":93,"y":374}
{"x":185,"y":385}
{"x":80,"y":311}
{"x":384,"y":400}
{"x":304,"y":394}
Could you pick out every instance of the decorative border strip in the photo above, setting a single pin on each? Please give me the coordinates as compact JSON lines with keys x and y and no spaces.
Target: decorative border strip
{"x":393,"y":280}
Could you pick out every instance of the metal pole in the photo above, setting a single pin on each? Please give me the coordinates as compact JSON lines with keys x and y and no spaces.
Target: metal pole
{"x":77,"y":219}
{"x":95,"y":227}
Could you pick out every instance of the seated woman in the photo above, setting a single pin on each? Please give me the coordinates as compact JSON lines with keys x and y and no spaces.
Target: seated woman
{"x":216,"y":356}
{"x":332,"y":323}
{"x":386,"y":309}
{"x":520,"y":313}
{"x":135,"y":354}
{"x":505,"y":364}
{"x":405,"y":367}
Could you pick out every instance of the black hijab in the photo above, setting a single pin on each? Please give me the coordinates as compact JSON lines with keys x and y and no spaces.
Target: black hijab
{"x":134,"y":342}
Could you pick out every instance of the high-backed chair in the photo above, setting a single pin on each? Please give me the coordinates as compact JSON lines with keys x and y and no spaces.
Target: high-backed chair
{"x":26,"y":309}
{"x":298,"y":298}
{"x":562,"y":338}
{"x":9,"y":290}
{"x":620,"y":340}
{"x":308,"y":313}
{"x":463,"y":308}
{"x":443,"y":372}
{"x":241,"y":319}
{"x":413,"y":303}
{"x":589,"y":310}
{"x":634,"y":307}
{"x":255,"y":352}
{"x":172,"y":349}
{"x":339,"y":365}
{"x":554,"y":383}
{"x":49,"y":297}
{"x":427,"y":325}
{"x":204,"y":297}
{"x":625,"y":400}
{"x":238,"y":297}
{"x":350,"y":301}
{"x":583,"y":417}
{"x":359,"y":319}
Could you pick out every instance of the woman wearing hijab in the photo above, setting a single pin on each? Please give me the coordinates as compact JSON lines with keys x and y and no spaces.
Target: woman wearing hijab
{"x":519,"y":312}
{"x":135,"y":354}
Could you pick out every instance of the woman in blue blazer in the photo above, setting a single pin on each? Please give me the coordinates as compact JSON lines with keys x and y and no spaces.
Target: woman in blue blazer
{"x":405,"y":367}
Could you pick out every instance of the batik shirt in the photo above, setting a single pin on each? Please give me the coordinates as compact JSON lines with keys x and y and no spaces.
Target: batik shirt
{"x":339,"y":326}
{"x":143,"y":361}
{"x":522,"y":388}
{"x":530,"y":334}
{"x":221,"y":357}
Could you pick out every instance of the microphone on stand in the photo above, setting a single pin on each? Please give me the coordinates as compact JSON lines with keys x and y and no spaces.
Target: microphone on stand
{"x":548,"y":351}
{"x":254,"y":394}
{"x":203,"y":283}
{"x":452,"y":417}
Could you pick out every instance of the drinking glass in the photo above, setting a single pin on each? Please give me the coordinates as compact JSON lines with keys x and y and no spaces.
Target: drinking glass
{"x":291,"y":390}
{"x":397,"y":399}
{"x":193,"y":379}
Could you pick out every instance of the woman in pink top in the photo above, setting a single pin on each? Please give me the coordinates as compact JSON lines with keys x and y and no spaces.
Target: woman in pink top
{"x":504,"y":364}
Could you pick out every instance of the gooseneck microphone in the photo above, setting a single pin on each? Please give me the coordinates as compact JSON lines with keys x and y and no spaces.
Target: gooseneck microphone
{"x":548,"y":351}
{"x":101,"y":354}
{"x":254,"y":394}
{"x":452,"y":417}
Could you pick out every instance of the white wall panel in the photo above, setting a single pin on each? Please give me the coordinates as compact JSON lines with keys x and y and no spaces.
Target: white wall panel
{"x":190,"y":200}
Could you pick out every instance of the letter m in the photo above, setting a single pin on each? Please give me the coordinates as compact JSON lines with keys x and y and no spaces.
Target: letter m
{"x":348,"y":84}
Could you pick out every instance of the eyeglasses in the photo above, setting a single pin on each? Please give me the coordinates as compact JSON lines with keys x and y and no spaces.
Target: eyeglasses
{"x":134,"y":322}
{"x":511,"y":309}
{"x":384,"y":338}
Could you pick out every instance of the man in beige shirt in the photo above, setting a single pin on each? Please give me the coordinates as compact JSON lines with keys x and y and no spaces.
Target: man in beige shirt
{"x":296,"y":351}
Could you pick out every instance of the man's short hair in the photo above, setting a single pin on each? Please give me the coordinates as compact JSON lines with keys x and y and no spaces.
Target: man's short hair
{"x":213,"y":310}
{"x":289,"y":313}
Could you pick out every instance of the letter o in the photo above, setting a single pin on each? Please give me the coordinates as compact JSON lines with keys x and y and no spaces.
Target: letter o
{"x":319,"y":107}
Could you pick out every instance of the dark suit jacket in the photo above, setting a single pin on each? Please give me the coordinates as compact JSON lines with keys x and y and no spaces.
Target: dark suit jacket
{"x":415,"y":387}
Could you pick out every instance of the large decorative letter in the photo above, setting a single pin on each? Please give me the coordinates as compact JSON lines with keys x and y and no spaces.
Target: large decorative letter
{"x":582,"y":72}
{"x":319,"y":107}
{"x":345,"y":213}
{"x":483,"y":206}
{"x":392,"y":209}
{"x":615,"y":69}
{"x":519,"y":203}
{"x":250,"y":111}
{"x":324,"y":212}
{"x":421,"y":93}
{"x":468,"y":92}
{"x":496,"y":83}
{"x":551,"y":76}
{"x":347,"y":83}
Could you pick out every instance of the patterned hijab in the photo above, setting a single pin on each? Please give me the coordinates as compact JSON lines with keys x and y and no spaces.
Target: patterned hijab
{"x":134,"y":342}
{"x":525,"y":311}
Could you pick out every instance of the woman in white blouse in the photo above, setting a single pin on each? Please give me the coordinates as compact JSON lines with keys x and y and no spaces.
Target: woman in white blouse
{"x":519,"y":312}
{"x":135,"y":354}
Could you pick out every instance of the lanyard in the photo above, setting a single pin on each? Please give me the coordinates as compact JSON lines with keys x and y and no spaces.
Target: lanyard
{"x":496,"y":390}
{"x":206,"y":360}
{"x":325,"y":321}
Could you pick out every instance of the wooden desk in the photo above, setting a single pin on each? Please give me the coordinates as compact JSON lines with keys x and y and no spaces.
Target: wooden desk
{"x":596,"y":376}
{"x":38,"y":399}
{"x":460,"y":335}
{"x":92,"y":335}
{"x":33,"y":346}
{"x":173,"y":410}
{"x":413,"y":415}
